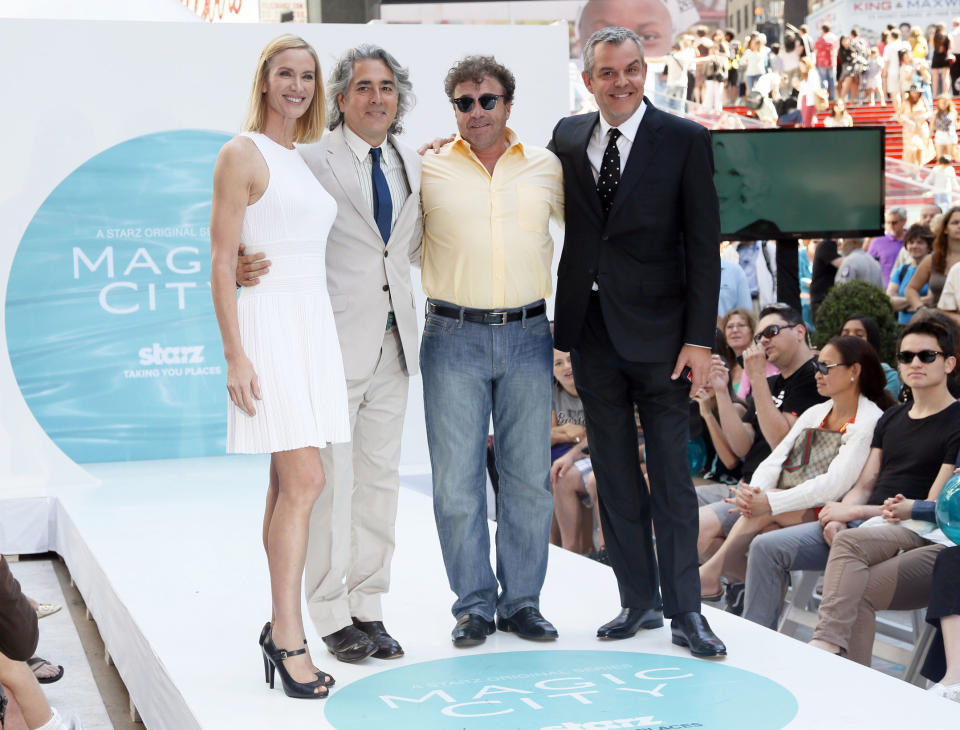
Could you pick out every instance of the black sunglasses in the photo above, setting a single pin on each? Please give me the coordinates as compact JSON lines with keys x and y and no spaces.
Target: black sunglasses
{"x":771,"y":331}
{"x":487,"y":102}
{"x":823,"y":368}
{"x":926,"y":356}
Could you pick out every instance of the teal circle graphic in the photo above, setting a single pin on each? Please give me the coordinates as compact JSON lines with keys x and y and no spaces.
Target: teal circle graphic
{"x":562,"y":690}
{"x":109,"y":320}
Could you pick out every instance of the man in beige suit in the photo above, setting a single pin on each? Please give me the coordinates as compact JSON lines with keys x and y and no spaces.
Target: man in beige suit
{"x":375,"y":238}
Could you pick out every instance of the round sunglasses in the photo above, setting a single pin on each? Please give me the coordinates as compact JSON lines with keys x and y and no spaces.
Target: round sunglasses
{"x":487,"y":102}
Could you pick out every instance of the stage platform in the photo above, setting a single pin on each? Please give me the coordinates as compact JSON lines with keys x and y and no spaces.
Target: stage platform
{"x":168,"y":558}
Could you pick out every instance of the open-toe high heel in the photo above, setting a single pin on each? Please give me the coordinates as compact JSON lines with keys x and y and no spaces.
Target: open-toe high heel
{"x":326,"y":680}
{"x":274,"y":658}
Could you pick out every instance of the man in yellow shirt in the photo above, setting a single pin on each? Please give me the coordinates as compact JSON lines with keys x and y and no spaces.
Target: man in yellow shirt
{"x":487,"y":349}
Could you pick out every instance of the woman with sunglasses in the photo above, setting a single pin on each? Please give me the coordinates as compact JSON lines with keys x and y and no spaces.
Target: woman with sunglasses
{"x":879,"y":567}
{"x":850,"y":376}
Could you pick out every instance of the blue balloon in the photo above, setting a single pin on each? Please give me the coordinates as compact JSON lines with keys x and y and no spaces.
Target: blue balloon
{"x":948,"y":509}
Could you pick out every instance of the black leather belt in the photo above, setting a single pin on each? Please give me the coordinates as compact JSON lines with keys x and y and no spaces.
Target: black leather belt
{"x":491,"y":316}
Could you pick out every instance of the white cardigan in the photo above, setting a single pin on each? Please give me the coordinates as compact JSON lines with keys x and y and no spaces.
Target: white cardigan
{"x":840,"y":475}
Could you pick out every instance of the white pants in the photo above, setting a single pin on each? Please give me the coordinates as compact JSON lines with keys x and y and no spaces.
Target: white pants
{"x":713,"y":95}
{"x":352,"y":524}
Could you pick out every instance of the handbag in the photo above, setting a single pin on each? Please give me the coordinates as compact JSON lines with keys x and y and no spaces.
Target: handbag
{"x":809,"y":457}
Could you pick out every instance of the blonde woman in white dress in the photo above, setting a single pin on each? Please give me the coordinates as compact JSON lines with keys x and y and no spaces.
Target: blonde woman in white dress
{"x":284,"y":369}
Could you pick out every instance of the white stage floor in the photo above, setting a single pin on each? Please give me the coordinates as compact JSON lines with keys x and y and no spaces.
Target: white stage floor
{"x":167,"y":556}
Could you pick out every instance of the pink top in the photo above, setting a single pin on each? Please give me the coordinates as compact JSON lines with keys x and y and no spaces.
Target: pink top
{"x":743,"y":387}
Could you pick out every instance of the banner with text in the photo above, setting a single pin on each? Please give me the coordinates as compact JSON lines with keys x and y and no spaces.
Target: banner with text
{"x":110,"y":324}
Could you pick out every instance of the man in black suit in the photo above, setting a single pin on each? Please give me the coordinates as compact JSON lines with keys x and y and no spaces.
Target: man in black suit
{"x":637,"y":291}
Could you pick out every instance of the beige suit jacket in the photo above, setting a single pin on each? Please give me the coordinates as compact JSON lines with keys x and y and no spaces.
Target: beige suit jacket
{"x":363,"y":275}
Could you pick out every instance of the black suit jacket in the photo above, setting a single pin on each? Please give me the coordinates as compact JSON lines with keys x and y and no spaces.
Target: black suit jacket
{"x":656,"y":257}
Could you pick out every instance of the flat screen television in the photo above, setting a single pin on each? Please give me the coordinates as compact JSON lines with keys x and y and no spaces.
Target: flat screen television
{"x":799,"y":183}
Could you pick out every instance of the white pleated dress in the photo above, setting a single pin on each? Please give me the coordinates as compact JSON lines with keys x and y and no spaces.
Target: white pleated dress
{"x":286,"y":322}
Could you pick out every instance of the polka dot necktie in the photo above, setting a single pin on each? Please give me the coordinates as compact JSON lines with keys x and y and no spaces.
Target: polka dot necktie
{"x":609,"y":176}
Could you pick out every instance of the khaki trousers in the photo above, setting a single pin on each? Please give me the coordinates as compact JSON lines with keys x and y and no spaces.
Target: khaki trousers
{"x":352,"y":524}
{"x":866,"y":573}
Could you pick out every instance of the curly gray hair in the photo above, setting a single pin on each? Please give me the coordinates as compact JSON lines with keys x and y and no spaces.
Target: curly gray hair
{"x":614,"y":35}
{"x":342,"y":75}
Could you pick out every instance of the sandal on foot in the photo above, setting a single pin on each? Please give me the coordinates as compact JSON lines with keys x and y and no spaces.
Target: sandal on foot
{"x":46,"y":609}
{"x":36,"y":663}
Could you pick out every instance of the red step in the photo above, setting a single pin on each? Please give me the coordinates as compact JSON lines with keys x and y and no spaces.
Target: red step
{"x":883,"y":115}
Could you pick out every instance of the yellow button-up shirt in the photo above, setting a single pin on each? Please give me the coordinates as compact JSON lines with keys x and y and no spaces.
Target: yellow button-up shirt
{"x":486,"y":242}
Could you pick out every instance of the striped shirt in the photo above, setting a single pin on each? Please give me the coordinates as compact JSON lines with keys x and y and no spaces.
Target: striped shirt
{"x":390,"y":163}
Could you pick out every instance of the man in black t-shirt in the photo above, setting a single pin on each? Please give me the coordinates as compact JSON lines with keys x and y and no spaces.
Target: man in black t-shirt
{"x":781,"y":339}
{"x":826,"y":262}
{"x":913,"y":452}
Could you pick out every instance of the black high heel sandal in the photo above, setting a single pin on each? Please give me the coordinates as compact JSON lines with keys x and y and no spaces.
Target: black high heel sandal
{"x":327,"y":680}
{"x":291,"y":688}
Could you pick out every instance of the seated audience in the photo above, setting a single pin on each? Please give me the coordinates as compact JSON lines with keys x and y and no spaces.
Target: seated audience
{"x":737,"y":327}
{"x":776,"y":402}
{"x":914,"y":446}
{"x":949,"y":302}
{"x":574,"y":490}
{"x":723,"y":465}
{"x":943,"y":612}
{"x":933,"y":269}
{"x":857,"y":264}
{"x":876,"y":568}
{"x":18,"y":641}
{"x":917,"y":242}
{"x":849,"y":374}
{"x":781,"y":338}
{"x":866,"y":328}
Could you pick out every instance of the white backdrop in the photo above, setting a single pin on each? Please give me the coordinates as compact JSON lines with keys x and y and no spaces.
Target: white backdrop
{"x":73,"y":89}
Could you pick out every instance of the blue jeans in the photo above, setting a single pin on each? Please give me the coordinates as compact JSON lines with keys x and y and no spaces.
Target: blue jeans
{"x":471,"y":370}
{"x":828,"y":79}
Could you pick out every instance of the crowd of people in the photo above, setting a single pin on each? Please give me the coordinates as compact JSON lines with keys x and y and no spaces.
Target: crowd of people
{"x":884,"y":440}
{"x":808,"y":450}
{"x":788,"y":83}
{"x":831,"y":459}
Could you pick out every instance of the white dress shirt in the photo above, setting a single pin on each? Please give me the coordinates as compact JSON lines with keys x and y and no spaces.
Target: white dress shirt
{"x":600,"y":137}
{"x":598,"y":144}
{"x":390,"y":163}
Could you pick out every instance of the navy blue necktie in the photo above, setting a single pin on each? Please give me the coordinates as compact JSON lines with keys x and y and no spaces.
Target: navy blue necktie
{"x":382,"y":205}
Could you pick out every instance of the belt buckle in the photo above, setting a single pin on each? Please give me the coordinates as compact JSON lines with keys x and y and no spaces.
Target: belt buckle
{"x":502,"y":316}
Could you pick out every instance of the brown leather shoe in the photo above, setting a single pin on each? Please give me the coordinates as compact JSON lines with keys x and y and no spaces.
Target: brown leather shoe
{"x":349,"y":644}
{"x":387,"y":646}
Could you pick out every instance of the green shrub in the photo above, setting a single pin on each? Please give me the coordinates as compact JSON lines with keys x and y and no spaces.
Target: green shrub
{"x":857,"y":297}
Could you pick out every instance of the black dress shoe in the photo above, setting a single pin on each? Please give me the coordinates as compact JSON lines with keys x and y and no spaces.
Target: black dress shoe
{"x":629,"y":621}
{"x":349,"y":644}
{"x":472,"y":630}
{"x":387,"y":646}
{"x":692,"y":630}
{"x":528,"y":623}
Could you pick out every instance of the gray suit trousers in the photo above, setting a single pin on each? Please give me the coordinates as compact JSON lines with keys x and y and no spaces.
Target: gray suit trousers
{"x":352,"y":524}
